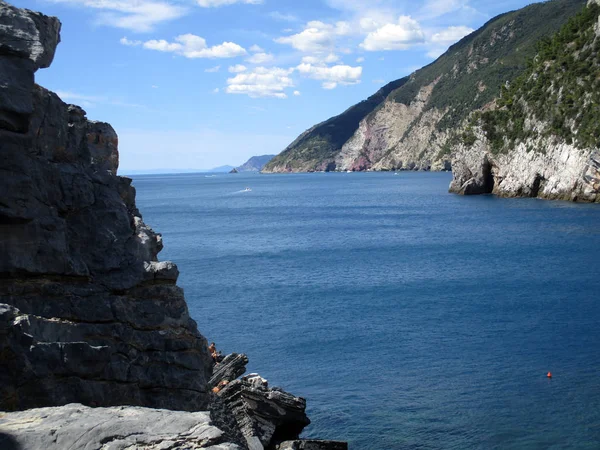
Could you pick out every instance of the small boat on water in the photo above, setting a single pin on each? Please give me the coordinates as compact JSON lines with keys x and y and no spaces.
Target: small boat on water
{"x":247,"y":190}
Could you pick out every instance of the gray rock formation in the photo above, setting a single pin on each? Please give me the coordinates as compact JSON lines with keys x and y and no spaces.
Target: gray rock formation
{"x":561,"y":172}
{"x":541,"y":138}
{"x":77,"y":427}
{"x":265,"y":416}
{"x":232,"y":367}
{"x":255,"y":416}
{"x":27,"y":43}
{"x":88,"y":315}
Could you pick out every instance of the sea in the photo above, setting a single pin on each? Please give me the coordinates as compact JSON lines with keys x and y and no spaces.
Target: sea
{"x":408,"y":317}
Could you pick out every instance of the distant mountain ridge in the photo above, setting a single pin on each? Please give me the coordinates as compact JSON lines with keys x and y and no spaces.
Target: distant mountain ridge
{"x":409,"y":123}
{"x":221,"y":169}
{"x":255,"y":164}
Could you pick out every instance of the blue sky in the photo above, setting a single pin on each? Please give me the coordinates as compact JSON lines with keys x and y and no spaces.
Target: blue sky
{"x":193,"y":84}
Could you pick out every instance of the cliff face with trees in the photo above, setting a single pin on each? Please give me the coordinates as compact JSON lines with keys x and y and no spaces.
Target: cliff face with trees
{"x":541,"y":138}
{"x":410,"y":123}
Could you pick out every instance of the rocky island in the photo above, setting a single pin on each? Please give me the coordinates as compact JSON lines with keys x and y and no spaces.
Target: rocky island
{"x":97,"y":346}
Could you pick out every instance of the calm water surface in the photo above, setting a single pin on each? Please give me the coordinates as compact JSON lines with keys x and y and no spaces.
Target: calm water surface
{"x":408,"y":317}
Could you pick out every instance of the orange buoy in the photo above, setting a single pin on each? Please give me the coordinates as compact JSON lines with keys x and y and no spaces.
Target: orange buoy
{"x":549,"y":375}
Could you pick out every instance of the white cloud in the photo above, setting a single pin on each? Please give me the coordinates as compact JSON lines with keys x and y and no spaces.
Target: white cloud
{"x":256,"y":49}
{"x":237,"y":68}
{"x":317,"y":37}
{"x":297,"y":93}
{"x":437,"y":8}
{"x":134,"y":15}
{"x":154,"y":86}
{"x":357,"y":6}
{"x":217,"y":3}
{"x":368,"y":24}
{"x":216,"y":90}
{"x":395,"y":36}
{"x":451,"y":35}
{"x":360,"y":59}
{"x":192,"y":46}
{"x":331,"y":76}
{"x":321,"y":59}
{"x":441,"y":40}
{"x":213,"y":69}
{"x":260,"y":58}
{"x":129,"y":43}
{"x":162,"y":46}
{"x":262,"y":82}
{"x":283,"y":17}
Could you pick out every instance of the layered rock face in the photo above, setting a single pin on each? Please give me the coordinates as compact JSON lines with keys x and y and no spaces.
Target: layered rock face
{"x":90,"y":320}
{"x":78,"y":427}
{"x":562,"y":172}
{"x":88,"y":314}
{"x":396,"y":136}
{"x":543,"y":137}
{"x":317,"y":148}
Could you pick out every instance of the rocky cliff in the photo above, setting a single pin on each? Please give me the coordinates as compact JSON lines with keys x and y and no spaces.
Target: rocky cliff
{"x":88,"y":315}
{"x":541,"y":138}
{"x":317,"y":148}
{"x":411,"y":127}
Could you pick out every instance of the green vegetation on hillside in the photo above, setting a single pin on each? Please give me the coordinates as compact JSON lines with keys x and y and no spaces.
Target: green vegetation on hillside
{"x":471,"y":73}
{"x":325,"y":140}
{"x":560,"y":91}
{"x":469,"y":76}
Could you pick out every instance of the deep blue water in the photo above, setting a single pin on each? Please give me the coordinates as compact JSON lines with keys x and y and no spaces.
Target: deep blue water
{"x":408,"y":317}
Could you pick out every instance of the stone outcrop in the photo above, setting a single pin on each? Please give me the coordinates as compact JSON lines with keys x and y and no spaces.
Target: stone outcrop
{"x":77,"y":427}
{"x":265,"y":416}
{"x":560,"y":172}
{"x":28,"y":41}
{"x":394,"y":137}
{"x":316,"y":149}
{"x":542,"y":139}
{"x":255,"y":415}
{"x":232,"y":367}
{"x":88,"y":313}
{"x":95,"y":335}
